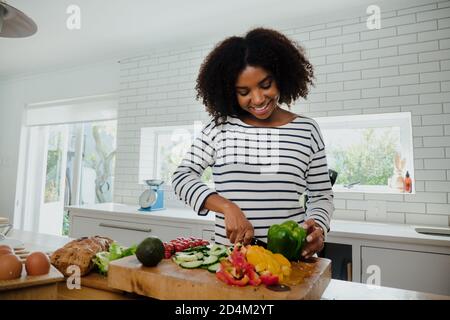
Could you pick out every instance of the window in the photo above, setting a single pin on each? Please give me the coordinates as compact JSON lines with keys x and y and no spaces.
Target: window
{"x":163,"y":149}
{"x":97,"y":173}
{"x":90,"y":164}
{"x":371,"y":153}
{"x":68,"y":157}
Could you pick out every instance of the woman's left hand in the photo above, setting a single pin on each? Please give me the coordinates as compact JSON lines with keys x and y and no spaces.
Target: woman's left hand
{"x":315,"y":239}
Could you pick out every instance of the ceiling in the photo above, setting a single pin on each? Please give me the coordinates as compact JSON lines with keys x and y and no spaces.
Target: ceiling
{"x":114,"y":29}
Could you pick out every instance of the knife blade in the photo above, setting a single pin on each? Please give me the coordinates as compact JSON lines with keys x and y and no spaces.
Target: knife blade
{"x":258,"y":242}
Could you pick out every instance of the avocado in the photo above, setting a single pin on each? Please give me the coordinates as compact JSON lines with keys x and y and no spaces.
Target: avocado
{"x":150,"y":251}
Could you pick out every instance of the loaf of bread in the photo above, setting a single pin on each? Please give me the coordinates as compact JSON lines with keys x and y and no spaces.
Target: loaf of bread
{"x":79,"y":252}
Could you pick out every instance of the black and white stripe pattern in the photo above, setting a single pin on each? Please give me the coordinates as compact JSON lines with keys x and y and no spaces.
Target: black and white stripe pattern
{"x":263,"y":170}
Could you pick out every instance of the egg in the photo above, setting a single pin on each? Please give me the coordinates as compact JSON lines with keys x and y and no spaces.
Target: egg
{"x":37,"y":263}
{"x":10,"y":267}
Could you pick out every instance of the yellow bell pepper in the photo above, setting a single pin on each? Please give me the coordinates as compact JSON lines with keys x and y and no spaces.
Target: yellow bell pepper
{"x":265,"y":260}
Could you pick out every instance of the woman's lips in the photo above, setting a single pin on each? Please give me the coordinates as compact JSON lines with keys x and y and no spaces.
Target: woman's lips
{"x":261,"y":111}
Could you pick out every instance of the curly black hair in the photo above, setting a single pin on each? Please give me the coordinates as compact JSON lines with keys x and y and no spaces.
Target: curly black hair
{"x":283,"y":58}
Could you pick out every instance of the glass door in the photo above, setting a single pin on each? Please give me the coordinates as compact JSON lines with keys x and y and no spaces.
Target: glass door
{"x":55,"y":160}
{"x":68,"y":164}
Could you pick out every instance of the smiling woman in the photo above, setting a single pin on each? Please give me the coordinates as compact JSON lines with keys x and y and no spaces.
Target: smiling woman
{"x":263,"y":157}
{"x":241,"y":74}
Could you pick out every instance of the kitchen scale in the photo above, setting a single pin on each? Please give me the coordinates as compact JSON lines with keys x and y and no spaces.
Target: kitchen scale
{"x":152,"y":199}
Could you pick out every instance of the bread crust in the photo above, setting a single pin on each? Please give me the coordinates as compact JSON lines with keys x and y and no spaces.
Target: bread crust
{"x":79,"y":252}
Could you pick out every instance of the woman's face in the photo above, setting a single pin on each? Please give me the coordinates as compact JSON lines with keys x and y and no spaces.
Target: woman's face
{"x":257,"y":92}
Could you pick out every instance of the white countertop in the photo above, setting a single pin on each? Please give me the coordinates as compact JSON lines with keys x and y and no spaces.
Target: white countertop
{"x":386,"y":232}
{"x":345,"y":290}
{"x":131,"y":211}
{"x":339,"y":228}
{"x":33,"y":241}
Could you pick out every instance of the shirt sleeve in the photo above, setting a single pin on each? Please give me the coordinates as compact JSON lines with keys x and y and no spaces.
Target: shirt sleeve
{"x":186,"y":180}
{"x":320,"y":205}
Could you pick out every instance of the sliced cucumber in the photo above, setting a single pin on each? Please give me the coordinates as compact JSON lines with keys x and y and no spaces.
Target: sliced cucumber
{"x":198,"y":248}
{"x":199,"y":255}
{"x":218,"y":250}
{"x":178,"y":262}
{"x":210,"y":260}
{"x":213,"y":268}
{"x":191,"y":264}
{"x":184,"y":253}
{"x":187,"y":257}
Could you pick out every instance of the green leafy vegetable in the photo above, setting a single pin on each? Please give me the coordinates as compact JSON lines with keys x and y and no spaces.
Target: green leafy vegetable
{"x":101,"y":260}
{"x":116,"y":251}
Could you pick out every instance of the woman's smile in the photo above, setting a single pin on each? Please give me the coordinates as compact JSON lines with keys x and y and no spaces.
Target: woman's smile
{"x":261,"y":110}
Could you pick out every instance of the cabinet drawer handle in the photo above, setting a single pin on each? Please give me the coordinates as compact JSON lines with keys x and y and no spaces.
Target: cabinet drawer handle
{"x":107,"y":225}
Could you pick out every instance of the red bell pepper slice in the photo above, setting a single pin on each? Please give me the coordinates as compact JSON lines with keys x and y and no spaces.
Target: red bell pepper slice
{"x":225,"y":274}
{"x":268,"y":278}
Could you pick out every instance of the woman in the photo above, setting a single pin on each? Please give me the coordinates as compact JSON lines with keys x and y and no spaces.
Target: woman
{"x":263,"y":157}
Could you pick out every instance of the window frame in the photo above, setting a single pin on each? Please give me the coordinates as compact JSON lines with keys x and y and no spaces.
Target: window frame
{"x":155,"y":173}
{"x":374,"y":120}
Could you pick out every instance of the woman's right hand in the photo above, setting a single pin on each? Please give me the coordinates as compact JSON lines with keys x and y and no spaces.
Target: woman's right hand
{"x":238,"y":228}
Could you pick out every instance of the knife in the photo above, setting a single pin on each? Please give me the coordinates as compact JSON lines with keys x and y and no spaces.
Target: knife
{"x":257,"y":242}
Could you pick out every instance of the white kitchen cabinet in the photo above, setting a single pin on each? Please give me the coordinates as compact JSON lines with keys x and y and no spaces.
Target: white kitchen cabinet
{"x":406,"y":258}
{"x":127,"y":225}
{"x":125,"y":233}
{"x":412,"y":270}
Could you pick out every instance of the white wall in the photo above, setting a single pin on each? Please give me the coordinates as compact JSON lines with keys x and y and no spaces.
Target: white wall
{"x":404,"y":66}
{"x":16,"y":93}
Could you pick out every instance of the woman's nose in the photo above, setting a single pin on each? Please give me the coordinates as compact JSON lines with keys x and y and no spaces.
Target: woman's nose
{"x":257,"y":98}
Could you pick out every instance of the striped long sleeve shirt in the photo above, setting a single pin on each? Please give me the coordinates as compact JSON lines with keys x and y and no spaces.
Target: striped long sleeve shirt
{"x":264,"y":170}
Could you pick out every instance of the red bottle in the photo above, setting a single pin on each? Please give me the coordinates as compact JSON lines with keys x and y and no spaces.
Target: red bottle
{"x":407,"y":183}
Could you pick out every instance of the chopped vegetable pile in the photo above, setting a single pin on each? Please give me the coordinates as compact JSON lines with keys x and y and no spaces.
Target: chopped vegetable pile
{"x":238,"y":266}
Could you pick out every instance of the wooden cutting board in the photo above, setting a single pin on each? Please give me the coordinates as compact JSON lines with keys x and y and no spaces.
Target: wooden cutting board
{"x":168,"y":281}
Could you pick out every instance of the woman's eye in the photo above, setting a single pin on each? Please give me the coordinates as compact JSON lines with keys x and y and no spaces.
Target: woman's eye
{"x":266,"y":85}
{"x":243,"y":93}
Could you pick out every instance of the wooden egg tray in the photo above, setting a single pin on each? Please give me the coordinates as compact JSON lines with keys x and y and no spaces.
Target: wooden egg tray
{"x":22,"y":253}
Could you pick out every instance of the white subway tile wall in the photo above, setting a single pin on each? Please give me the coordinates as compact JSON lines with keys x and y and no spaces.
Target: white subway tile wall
{"x":404,"y":66}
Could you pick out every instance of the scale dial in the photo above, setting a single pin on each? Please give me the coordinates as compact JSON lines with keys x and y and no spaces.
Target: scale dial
{"x":148,"y":198}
